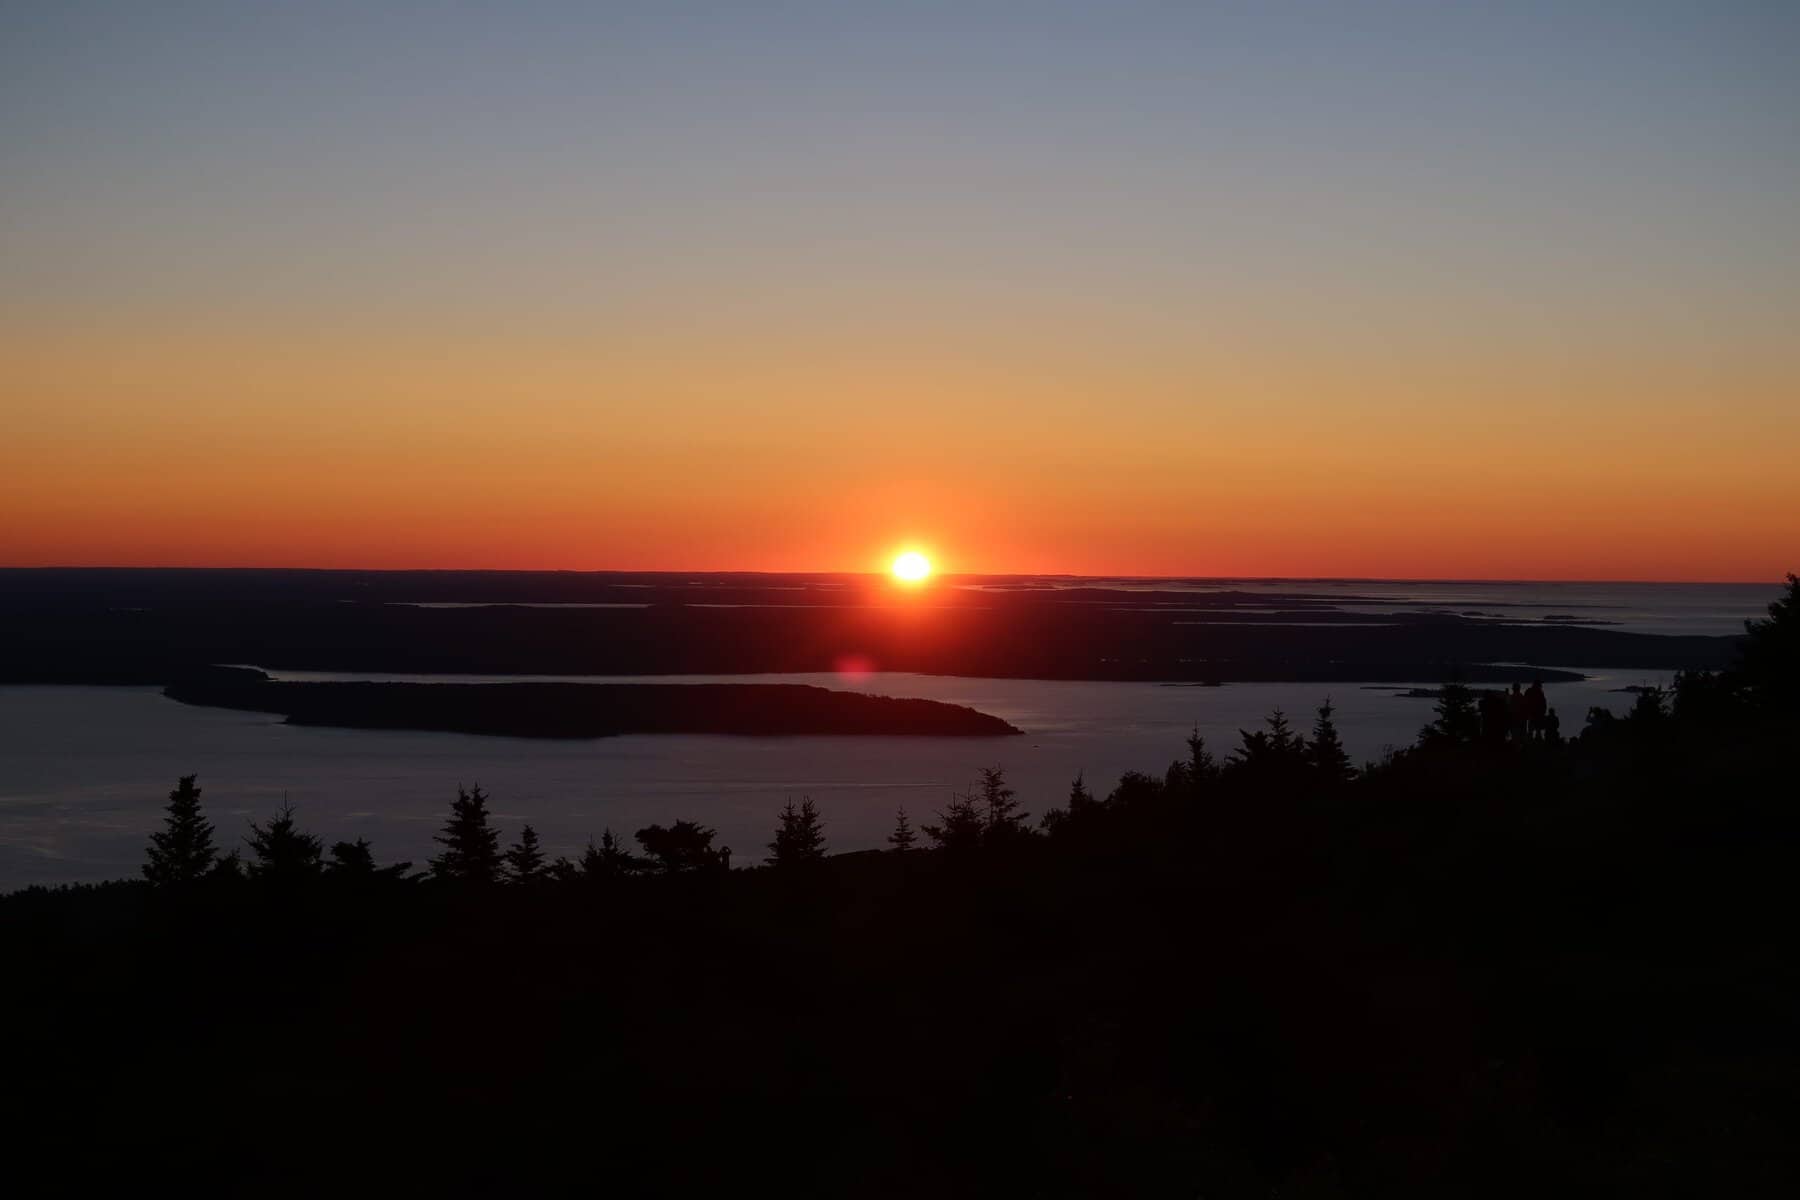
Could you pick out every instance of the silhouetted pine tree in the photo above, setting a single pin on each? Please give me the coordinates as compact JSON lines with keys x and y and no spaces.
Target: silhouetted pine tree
{"x":355,"y":860}
{"x":1770,"y":657}
{"x":282,"y":853}
{"x":903,"y":837}
{"x":351,"y":859}
{"x":471,"y":846}
{"x":1326,"y":750}
{"x":1202,"y":770}
{"x":524,"y":861}
{"x":1274,"y":753}
{"x":1458,"y":718}
{"x":1283,"y":742}
{"x":1002,"y":818}
{"x":1650,"y":709}
{"x":962,"y":826}
{"x":683,"y":846}
{"x":800,"y":838}
{"x":1081,"y":801}
{"x":183,"y":852}
{"x":608,"y":860}
{"x":1175,"y":779}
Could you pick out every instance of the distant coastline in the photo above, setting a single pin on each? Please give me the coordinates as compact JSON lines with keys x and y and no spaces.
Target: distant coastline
{"x":156,"y":627}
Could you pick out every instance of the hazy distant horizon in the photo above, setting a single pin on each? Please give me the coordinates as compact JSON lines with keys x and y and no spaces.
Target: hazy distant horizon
{"x":941,"y":576}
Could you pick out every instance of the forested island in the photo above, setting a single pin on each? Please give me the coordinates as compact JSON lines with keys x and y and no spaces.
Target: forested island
{"x":584,"y":710}
{"x":1495,"y":958}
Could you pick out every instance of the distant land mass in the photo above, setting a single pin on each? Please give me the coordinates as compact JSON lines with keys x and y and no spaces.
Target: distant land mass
{"x":586,"y":710}
{"x":158,"y":626}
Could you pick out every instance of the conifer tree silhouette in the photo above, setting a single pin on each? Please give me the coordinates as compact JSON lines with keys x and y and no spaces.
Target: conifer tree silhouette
{"x":1458,"y":718}
{"x":608,"y":860}
{"x":1080,"y":798}
{"x":1003,"y":820}
{"x":471,"y":846}
{"x":800,"y":838}
{"x":683,"y":846}
{"x":903,"y":837}
{"x":961,"y":826}
{"x":1081,"y":803}
{"x":351,"y":858}
{"x":1770,"y":658}
{"x":183,"y":852}
{"x":1202,"y":770}
{"x":524,"y":861}
{"x":1326,"y":750}
{"x":355,"y":860}
{"x":282,"y":853}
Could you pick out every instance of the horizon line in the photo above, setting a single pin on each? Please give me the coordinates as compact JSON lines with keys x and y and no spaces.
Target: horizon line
{"x":945,"y":576}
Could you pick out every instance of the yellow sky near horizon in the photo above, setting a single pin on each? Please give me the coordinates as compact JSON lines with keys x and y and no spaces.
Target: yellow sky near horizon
{"x":1272,"y":290}
{"x":358,"y":448}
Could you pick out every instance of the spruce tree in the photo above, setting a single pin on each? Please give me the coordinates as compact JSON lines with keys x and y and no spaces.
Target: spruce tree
{"x":1458,"y":718}
{"x":1770,"y":655}
{"x":1284,"y":744}
{"x":1080,"y":799}
{"x":800,"y":838}
{"x":355,"y":860}
{"x":683,"y":846}
{"x":608,"y":860}
{"x":183,"y":852}
{"x":1326,"y":750}
{"x":351,"y":859}
{"x":903,"y":837}
{"x":524,"y":861}
{"x":962,"y":826}
{"x":471,"y":846}
{"x":1202,"y":770}
{"x":1081,"y":802}
{"x":1002,"y":819}
{"x":283,"y":853}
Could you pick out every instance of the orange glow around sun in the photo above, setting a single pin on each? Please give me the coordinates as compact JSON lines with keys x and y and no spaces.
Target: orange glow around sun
{"x":912,"y":567}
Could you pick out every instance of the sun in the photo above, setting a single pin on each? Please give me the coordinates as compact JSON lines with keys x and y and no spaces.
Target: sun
{"x":912,"y":567}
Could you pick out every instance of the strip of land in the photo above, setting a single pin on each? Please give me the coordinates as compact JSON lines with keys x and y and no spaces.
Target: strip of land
{"x":155,"y":627}
{"x":583,"y":710}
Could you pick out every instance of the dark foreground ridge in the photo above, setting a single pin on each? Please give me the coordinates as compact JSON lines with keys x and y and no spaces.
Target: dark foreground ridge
{"x":585,"y":710}
{"x":1499,"y":962}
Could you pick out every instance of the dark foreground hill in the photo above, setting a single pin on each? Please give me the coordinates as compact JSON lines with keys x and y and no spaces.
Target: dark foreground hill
{"x":1498,"y":963}
{"x":1484,"y":969}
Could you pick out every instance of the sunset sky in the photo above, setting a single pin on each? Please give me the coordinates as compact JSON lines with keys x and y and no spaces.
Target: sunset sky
{"x":1382,"y":289}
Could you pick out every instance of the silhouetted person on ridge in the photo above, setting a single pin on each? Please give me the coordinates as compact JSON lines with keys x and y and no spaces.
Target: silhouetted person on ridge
{"x":1535,"y":708}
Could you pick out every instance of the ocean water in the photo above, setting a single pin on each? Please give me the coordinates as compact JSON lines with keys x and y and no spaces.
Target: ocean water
{"x":84,"y":771}
{"x":1714,"y":609}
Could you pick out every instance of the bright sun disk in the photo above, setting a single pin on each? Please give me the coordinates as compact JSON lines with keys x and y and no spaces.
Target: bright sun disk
{"x":911,"y":567}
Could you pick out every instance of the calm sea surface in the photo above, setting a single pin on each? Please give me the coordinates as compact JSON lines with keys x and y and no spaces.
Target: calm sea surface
{"x":84,"y":771}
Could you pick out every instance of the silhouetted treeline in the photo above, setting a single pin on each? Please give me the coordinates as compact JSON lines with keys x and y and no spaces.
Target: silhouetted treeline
{"x":1518,"y":955}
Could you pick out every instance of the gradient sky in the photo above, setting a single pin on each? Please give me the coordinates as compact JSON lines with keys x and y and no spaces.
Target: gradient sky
{"x":1378,"y":289}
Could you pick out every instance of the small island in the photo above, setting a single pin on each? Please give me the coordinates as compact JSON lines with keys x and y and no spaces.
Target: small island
{"x":585,"y":710}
